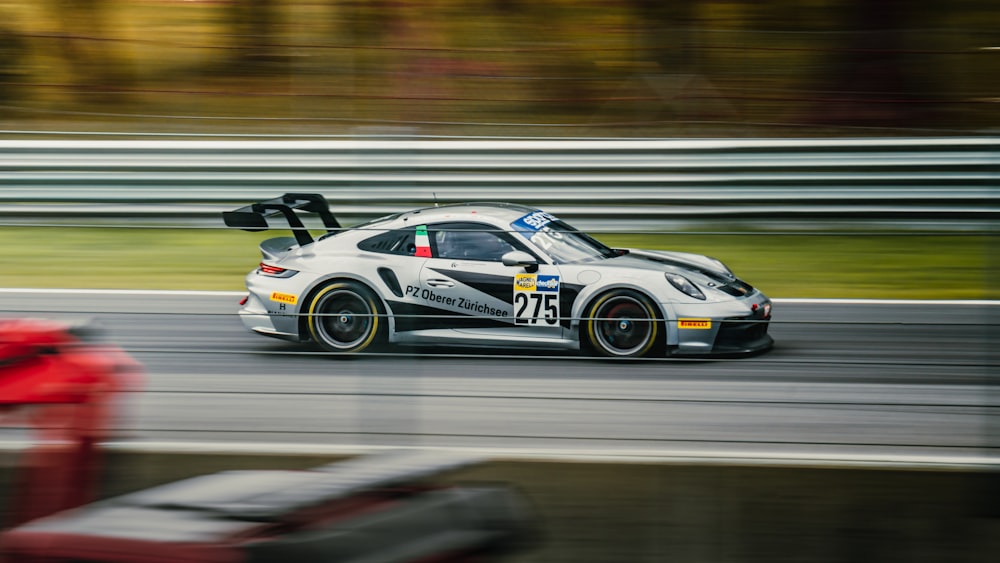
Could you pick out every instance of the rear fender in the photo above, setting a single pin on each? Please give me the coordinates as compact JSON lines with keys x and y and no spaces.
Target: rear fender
{"x":274,"y":249}
{"x":313,"y":289}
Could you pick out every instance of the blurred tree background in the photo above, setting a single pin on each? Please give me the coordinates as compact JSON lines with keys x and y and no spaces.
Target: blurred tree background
{"x":502,"y":67}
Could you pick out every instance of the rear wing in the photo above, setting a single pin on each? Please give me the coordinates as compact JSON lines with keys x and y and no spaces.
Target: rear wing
{"x":253,"y":217}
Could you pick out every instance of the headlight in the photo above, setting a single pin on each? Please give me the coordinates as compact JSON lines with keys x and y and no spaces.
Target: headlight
{"x":684,"y":285}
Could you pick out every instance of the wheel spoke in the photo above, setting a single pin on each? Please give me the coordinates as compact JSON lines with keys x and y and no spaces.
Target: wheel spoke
{"x":622,"y":326}
{"x":343,"y":318}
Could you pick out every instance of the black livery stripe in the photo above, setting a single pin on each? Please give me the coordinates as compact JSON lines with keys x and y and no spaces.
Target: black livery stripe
{"x":729,"y":284}
{"x":567,"y":296}
{"x":500,"y":287}
{"x":419,"y":317}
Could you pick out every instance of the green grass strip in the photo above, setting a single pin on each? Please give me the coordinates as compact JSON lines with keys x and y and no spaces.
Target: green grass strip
{"x":842,"y":265}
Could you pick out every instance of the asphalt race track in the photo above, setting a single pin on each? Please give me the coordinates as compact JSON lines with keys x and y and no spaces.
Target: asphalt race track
{"x":869,"y":381}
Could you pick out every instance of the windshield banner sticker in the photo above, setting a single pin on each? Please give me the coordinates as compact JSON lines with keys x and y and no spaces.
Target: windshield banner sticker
{"x":536,"y":299}
{"x":532,"y":225}
{"x":535,"y":227}
{"x":532,"y":222}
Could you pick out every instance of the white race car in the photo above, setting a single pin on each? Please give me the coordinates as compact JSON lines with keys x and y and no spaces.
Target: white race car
{"x":488,"y":275}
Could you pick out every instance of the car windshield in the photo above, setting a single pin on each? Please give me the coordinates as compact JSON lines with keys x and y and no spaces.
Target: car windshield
{"x":563,"y":243}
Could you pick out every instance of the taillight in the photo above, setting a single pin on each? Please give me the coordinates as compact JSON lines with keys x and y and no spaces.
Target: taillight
{"x":271,"y":270}
{"x":274,"y":271}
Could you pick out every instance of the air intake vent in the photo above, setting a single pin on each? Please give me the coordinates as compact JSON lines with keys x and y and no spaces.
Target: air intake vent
{"x":737,"y":288}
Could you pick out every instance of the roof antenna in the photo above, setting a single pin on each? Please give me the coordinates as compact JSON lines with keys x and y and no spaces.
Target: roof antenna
{"x":435,"y":198}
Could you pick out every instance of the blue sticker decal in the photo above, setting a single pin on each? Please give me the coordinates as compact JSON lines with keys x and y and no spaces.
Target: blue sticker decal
{"x":547,"y":283}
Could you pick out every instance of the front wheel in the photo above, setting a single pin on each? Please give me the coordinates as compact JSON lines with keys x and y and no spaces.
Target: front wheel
{"x":346,"y":317}
{"x":622,"y":323}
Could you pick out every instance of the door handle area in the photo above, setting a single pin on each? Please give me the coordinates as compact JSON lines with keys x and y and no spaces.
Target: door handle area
{"x":440,"y":283}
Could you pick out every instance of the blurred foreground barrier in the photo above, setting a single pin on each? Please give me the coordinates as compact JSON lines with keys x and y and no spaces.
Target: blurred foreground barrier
{"x":631,"y":182}
{"x":693,"y":512}
{"x":364,"y":510}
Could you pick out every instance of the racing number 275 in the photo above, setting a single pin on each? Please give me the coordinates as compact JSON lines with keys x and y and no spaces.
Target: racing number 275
{"x":532,"y":308}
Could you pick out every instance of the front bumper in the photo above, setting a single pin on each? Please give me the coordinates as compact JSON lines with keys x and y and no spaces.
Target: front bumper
{"x":736,"y":328}
{"x":743,"y":336}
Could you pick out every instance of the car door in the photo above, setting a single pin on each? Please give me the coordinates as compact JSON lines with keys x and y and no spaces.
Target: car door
{"x":404,"y":252}
{"x":466,"y":277}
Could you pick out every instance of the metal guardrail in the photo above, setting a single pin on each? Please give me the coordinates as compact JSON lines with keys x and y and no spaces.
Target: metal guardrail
{"x":642,"y":182}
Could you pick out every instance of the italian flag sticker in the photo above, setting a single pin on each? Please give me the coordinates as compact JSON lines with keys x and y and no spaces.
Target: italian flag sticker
{"x":423,"y":243}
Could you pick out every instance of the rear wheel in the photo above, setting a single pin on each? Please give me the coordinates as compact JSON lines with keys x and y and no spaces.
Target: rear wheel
{"x":622,"y":323}
{"x":346,"y":317}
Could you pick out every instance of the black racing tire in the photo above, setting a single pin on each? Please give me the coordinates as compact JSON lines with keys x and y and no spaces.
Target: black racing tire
{"x":346,"y":316}
{"x":622,"y":323}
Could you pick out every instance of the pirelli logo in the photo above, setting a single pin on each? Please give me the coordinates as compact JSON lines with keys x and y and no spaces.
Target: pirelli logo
{"x":696,"y":324}
{"x":284,"y":298}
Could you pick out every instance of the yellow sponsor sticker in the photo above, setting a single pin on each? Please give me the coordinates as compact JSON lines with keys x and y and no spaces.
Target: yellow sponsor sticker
{"x":284,"y":298}
{"x":697,"y":324}
{"x":525,"y":282}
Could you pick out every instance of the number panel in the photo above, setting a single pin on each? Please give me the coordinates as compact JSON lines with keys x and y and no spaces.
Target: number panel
{"x":536,"y":299}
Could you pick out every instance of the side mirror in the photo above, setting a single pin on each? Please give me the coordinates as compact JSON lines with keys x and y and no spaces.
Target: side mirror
{"x":520,"y":258}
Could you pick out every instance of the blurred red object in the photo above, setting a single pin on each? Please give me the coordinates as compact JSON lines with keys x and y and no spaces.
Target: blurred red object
{"x":371,"y":508}
{"x":63,"y":383}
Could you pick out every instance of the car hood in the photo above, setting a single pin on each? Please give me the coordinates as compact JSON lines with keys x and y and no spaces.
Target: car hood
{"x":665,"y":260}
{"x":707,"y":272}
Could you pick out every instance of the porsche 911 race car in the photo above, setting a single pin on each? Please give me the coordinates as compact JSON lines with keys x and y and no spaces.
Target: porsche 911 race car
{"x":488,"y":275}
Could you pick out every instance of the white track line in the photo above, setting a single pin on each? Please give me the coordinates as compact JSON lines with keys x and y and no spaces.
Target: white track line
{"x":806,"y":300}
{"x":163,"y":292}
{"x":668,"y":456}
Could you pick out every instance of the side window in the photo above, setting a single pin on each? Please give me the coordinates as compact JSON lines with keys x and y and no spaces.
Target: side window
{"x":401,"y":242}
{"x":470,"y":241}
